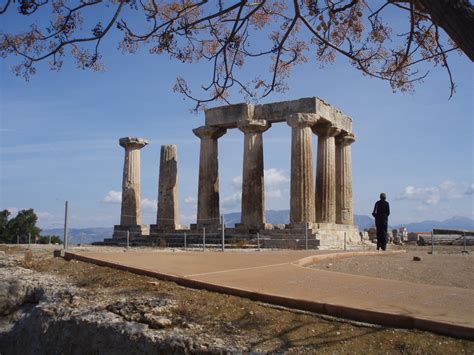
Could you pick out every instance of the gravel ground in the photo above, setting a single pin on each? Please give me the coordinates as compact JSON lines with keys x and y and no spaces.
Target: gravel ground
{"x":154,"y":311}
{"x":449,"y":267}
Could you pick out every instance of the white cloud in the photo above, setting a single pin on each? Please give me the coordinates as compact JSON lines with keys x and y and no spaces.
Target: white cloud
{"x":45,"y":216}
{"x":113,"y":197}
{"x":275,"y":177}
{"x":148,"y":204}
{"x":190,"y":200}
{"x":237,"y":182}
{"x":13,"y":211}
{"x":231,"y":203}
{"x":432,"y":195}
{"x":273,"y":193}
{"x":185,"y":219}
{"x":276,"y":188}
{"x":470,"y":190}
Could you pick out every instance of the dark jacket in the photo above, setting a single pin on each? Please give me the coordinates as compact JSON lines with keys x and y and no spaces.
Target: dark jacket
{"x":381,"y":210}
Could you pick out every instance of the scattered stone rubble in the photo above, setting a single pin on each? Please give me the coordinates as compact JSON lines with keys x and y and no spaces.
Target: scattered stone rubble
{"x":41,"y":313}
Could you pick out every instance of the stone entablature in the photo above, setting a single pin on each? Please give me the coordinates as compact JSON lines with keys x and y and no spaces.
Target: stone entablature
{"x":228,"y":116}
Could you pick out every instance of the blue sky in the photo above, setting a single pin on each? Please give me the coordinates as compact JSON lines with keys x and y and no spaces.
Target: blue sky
{"x":59,"y":138}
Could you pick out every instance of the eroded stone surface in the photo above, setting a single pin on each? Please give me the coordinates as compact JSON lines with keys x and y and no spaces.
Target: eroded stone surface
{"x":344,"y":211}
{"x":229,"y":115}
{"x":208,"y":190}
{"x":326,"y":173}
{"x":130,"y":215}
{"x":302,"y":208}
{"x":253,"y":193}
{"x":167,"y":215}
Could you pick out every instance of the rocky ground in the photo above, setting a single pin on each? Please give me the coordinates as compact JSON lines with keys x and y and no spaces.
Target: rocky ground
{"x":448,"y":267}
{"x":49,"y":305}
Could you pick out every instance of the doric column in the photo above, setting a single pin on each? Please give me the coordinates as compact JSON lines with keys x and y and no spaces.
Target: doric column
{"x":130,"y":216}
{"x":208,"y":190}
{"x":326,"y":173}
{"x":302,"y":182}
{"x":167,"y":215}
{"x":253,"y":194}
{"x":344,"y":212}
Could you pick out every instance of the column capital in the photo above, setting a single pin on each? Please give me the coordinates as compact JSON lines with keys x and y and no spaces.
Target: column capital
{"x":209,"y":132}
{"x":345,"y":138}
{"x":133,"y":142}
{"x":302,"y":120}
{"x":325,"y":130}
{"x":253,"y":126}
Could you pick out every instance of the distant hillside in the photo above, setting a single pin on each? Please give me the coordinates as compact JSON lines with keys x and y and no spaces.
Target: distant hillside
{"x":90,"y":235}
{"x":451,"y":223}
{"x":82,"y":235}
{"x":283,"y":217}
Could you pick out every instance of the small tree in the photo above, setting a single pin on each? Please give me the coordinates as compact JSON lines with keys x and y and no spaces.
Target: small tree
{"x":3,"y":224}
{"x":47,"y":239}
{"x":22,"y":225}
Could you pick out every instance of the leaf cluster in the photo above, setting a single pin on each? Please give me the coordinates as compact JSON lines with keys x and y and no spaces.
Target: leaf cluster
{"x":229,"y":35}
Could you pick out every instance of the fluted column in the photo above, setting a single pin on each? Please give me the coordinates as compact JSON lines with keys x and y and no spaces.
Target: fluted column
{"x":130,"y":212}
{"x":344,"y":212}
{"x":326,"y":173}
{"x":167,"y":214}
{"x":253,"y":193}
{"x":208,"y":190}
{"x":302,"y":207}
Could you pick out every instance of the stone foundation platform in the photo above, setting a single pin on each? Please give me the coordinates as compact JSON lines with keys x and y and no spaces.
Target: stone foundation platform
{"x":120,"y":232}
{"x":321,"y":236}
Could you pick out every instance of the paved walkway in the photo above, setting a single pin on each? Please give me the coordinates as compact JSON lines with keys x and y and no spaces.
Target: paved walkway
{"x":280,"y":277}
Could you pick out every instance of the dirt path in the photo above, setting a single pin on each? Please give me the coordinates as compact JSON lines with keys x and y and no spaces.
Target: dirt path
{"x":241,"y":323}
{"x":449,"y":267}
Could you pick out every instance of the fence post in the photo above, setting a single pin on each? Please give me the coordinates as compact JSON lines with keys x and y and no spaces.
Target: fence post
{"x":465,"y":245}
{"x":258,"y":241}
{"x":345,"y":240}
{"x":66,"y":237}
{"x":432,"y":243}
{"x":184,"y":240}
{"x":17,"y":239}
{"x":128,"y":239}
{"x":203,"y":238}
{"x":223,"y":232}
{"x":306,"y":235}
{"x":29,"y":240}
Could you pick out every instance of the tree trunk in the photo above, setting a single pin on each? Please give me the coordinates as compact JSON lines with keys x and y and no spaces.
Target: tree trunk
{"x":456,"y":17}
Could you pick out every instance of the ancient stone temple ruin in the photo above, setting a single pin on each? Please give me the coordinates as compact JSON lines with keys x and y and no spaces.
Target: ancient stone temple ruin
{"x":320,"y":203}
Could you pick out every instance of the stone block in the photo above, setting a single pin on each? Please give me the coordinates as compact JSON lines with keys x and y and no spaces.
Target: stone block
{"x":228,"y":116}
{"x":120,"y":232}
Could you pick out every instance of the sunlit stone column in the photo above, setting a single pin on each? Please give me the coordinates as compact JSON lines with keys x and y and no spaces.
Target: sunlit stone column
{"x":167,"y":214}
{"x":208,"y":190}
{"x":344,"y":212}
{"x":302,"y":182}
{"x":326,"y":173}
{"x":130,"y":216}
{"x":253,"y":193}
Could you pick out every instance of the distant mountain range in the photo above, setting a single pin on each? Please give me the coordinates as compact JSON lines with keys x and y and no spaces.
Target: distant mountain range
{"x":90,"y":235}
{"x":82,"y":235}
{"x":451,"y":223}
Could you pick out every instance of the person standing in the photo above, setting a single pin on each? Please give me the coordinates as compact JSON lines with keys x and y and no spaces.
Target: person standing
{"x":381,"y":213}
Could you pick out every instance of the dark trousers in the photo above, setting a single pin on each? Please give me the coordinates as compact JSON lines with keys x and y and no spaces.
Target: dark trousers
{"x":381,"y":226}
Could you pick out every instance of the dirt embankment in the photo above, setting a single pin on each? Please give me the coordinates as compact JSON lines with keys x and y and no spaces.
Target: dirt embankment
{"x":82,"y":308}
{"x":448,"y":267}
